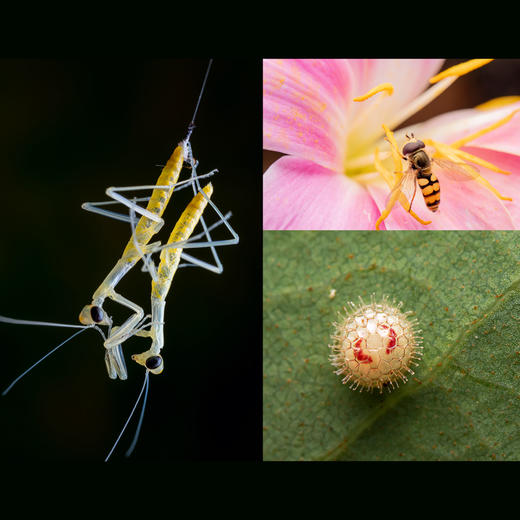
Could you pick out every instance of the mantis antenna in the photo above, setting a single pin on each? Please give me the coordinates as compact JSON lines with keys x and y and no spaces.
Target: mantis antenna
{"x":191,"y":126}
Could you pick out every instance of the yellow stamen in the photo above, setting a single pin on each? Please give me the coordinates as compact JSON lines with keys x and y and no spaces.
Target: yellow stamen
{"x":498,"y":102}
{"x":460,"y":69}
{"x":443,"y":80}
{"x":397,"y":195}
{"x":504,"y":120}
{"x":394,"y":148}
{"x":455,"y":156}
{"x":481,"y":162}
{"x":451,"y":152}
{"x":384,"y":87}
{"x":387,"y":210}
{"x":387,"y":176}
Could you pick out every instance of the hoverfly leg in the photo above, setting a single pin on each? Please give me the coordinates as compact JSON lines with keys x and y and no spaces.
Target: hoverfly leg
{"x":413,"y":197}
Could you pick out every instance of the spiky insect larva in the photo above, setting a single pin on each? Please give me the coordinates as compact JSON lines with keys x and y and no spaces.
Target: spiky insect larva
{"x":374,"y":345}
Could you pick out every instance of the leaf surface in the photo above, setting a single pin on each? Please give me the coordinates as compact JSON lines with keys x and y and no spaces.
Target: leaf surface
{"x":463,"y":402}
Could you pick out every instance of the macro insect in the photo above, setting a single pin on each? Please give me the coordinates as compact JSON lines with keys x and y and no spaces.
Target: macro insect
{"x":139,"y":248}
{"x":421,"y":172}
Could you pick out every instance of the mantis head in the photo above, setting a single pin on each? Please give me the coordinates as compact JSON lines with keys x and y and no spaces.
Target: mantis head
{"x":153,"y":362}
{"x":94,"y":314}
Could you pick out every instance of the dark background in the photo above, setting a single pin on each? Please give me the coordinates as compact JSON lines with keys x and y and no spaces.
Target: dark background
{"x":69,"y":130}
{"x":499,"y":78}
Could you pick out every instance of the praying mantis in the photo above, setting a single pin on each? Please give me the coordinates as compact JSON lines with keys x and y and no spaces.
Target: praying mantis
{"x":140,"y":217}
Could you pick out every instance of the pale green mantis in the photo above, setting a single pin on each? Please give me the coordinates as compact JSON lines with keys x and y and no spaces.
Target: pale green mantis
{"x":145,"y":223}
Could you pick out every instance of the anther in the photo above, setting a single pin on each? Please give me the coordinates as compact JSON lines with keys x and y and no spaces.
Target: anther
{"x":384,"y":87}
{"x":461,"y":69}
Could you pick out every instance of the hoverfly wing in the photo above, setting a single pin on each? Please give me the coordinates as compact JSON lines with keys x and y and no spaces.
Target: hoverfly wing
{"x":456,"y":171}
{"x":406,"y":186}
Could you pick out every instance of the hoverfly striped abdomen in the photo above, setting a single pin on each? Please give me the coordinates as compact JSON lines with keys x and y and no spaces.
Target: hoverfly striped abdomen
{"x":420,"y":162}
{"x":430,"y":188}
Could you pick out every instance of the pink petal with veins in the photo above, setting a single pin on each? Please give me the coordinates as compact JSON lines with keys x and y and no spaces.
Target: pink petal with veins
{"x":468,"y":205}
{"x":464,"y":205}
{"x":505,"y":138}
{"x":452,"y":126}
{"x":409,"y":78}
{"x":507,"y":185}
{"x":309,"y":108}
{"x":304,"y":109}
{"x":299,"y":194}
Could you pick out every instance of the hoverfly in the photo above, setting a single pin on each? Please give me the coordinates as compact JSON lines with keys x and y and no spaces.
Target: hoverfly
{"x":420,"y":172}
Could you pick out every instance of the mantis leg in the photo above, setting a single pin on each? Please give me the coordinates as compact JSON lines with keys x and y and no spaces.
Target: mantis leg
{"x":170,"y":259}
{"x":114,"y":358}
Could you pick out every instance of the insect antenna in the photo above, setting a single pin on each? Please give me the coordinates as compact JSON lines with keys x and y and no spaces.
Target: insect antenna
{"x":140,"y":423}
{"x":191,"y":126}
{"x":48,"y":324}
{"x":145,"y":390}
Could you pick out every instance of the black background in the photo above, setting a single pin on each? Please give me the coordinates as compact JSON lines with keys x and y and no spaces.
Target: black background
{"x":70,"y":129}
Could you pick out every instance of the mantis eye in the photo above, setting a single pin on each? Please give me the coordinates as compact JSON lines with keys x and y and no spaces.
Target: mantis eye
{"x":153,"y":362}
{"x":97,"y":313}
{"x":91,"y":314}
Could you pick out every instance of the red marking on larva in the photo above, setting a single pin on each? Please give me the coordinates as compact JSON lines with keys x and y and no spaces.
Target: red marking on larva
{"x":359,"y":354}
{"x":392,"y":342}
{"x":365,"y":333}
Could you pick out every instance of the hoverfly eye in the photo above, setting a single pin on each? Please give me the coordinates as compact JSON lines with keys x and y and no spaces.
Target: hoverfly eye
{"x":96,"y":313}
{"x":153,"y":362}
{"x":412,"y":147}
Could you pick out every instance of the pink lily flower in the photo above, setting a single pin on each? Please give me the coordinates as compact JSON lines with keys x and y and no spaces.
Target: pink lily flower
{"x":328,"y":117}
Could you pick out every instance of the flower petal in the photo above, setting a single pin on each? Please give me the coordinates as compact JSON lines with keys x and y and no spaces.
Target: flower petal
{"x":309,"y":108}
{"x":409,"y":78}
{"x":506,"y":138}
{"x":300,"y":194}
{"x":455,"y":125}
{"x":501,"y":147}
{"x":468,"y":205}
{"x":305,"y":108}
{"x":464,"y":205}
{"x":507,"y":185}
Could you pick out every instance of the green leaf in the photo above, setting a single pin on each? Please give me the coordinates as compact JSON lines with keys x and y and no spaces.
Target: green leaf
{"x":463,"y":402}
